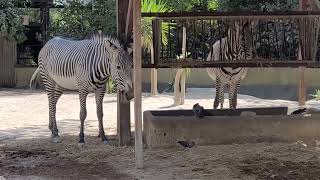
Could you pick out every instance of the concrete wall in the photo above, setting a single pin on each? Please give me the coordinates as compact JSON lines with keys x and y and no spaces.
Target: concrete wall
{"x":256,"y":76}
{"x":271,"y":83}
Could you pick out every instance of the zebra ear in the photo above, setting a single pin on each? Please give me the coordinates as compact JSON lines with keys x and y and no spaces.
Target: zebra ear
{"x":112,"y":46}
{"x":130,"y":49}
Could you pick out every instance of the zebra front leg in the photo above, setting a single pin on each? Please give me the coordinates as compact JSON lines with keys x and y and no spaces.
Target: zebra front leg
{"x":99,"y":94}
{"x":217,"y":98}
{"x":83,"y":114}
{"x":233,"y":92}
{"x":221,"y":96}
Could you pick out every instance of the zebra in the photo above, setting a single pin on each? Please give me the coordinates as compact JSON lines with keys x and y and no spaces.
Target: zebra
{"x":83,"y":65}
{"x":238,"y":45}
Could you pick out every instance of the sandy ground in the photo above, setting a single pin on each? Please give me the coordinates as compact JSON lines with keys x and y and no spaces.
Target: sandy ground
{"x":25,"y":150}
{"x":24,"y":114}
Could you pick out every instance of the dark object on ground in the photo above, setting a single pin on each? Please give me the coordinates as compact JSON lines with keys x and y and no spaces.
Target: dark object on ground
{"x":299,"y":111}
{"x":198,"y":110}
{"x":186,"y":144}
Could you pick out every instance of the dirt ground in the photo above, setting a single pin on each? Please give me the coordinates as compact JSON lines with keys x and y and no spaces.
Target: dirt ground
{"x":40,"y":159}
{"x":27,"y":153}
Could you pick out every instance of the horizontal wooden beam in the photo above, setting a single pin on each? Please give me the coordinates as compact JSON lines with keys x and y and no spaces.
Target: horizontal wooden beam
{"x":230,"y":15}
{"x":251,"y":63}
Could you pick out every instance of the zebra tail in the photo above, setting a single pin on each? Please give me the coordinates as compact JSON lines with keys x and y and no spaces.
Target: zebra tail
{"x":34,"y":78}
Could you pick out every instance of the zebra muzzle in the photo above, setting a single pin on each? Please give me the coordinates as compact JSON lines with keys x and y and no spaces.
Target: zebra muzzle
{"x":127,"y":95}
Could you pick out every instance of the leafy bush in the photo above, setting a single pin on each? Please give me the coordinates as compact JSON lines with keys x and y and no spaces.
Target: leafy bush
{"x":111,"y":86}
{"x":316,"y":95}
{"x":192,"y":5}
{"x":257,"y":5}
{"x":77,"y":18}
{"x":10,"y":21}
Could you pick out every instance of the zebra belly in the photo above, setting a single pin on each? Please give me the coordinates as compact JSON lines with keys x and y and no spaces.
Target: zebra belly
{"x":66,"y":82}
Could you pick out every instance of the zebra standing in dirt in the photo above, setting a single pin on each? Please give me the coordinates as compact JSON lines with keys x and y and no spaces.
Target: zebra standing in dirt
{"x":238,"y":45}
{"x":84,"y":66}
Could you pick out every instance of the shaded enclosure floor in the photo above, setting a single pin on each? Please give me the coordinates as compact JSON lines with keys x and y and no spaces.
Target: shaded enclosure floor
{"x":26,"y":150}
{"x":38,"y":158}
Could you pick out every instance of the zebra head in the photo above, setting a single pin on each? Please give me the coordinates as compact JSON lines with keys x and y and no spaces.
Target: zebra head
{"x":121,"y":69}
{"x":246,"y":40}
{"x":241,"y":37}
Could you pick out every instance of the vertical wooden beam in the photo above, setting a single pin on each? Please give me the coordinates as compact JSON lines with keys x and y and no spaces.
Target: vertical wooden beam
{"x":156,"y":36}
{"x":45,"y":20}
{"x":123,"y":122}
{"x":155,"y":54}
{"x":129,"y":19}
{"x":123,"y":109}
{"x":137,"y":82}
{"x":184,"y":74}
{"x":301,"y":70}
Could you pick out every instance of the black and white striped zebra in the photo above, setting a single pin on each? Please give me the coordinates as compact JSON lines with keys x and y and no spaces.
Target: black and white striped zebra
{"x":238,"y":45}
{"x":85,"y":66}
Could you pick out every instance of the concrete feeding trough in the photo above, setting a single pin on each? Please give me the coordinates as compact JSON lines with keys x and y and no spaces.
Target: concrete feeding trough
{"x":227,"y":126}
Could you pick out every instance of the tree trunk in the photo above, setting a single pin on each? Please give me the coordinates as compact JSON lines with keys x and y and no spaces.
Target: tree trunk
{"x":154,"y":75}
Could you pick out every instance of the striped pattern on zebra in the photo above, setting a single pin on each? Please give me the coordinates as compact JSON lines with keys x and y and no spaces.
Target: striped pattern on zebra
{"x":238,"y":45}
{"x":85,"y":66}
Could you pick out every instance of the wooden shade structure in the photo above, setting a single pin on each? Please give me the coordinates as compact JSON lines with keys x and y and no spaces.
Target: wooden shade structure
{"x":127,"y":10}
{"x":131,"y":9}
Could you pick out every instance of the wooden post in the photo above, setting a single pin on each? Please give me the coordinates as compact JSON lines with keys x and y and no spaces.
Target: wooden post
{"x":123,"y":109}
{"x":301,"y":83}
{"x":301,"y":70}
{"x":123,"y":122}
{"x":156,"y":37}
{"x":180,"y":78}
{"x":184,"y":74}
{"x":137,"y":82}
{"x":155,"y":55}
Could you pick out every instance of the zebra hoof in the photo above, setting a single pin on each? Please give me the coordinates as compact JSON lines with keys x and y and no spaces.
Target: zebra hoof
{"x":56,"y":139}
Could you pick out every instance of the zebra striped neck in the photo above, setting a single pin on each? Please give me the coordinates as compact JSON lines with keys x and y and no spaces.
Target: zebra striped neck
{"x":101,"y":67}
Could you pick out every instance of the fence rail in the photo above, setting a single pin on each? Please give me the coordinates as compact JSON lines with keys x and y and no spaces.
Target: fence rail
{"x":279,"y":38}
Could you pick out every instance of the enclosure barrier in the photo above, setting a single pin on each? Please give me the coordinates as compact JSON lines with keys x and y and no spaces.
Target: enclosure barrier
{"x":279,"y":39}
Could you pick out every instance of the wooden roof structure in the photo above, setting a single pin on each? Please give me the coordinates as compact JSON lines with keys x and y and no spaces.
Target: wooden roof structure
{"x":133,"y":15}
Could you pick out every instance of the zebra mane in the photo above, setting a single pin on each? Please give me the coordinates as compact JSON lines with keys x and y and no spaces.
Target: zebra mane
{"x":100,"y":37}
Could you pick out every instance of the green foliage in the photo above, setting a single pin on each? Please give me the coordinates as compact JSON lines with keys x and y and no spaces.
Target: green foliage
{"x":192,"y":5}
{"x":10,"y":21}
{"x":257,"y":5}
{"x":78,"y":19}
{"x":111,"y":86}
{"x":316,"y":95}
{"x":153,"y":6}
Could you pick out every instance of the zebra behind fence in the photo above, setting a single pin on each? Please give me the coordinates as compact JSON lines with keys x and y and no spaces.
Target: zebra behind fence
{"x":238,"y":45}
{"x":84,"y":66}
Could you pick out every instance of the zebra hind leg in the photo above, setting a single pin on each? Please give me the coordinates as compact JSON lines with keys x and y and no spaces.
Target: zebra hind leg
{"x":99,"y":94}
{"x":221,"y":96}
{"x":83,"y":114}
{"x":53,"y":97}
{"x":235,"y":95}
{"x":217,"y":98}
